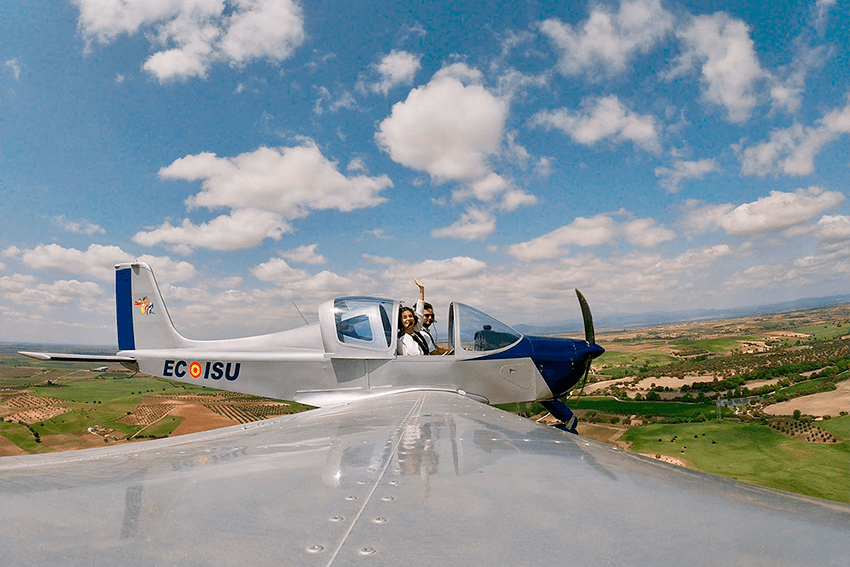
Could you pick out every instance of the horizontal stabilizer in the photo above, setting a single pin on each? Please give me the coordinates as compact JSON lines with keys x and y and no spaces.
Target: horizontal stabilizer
{"x":62,"y":357}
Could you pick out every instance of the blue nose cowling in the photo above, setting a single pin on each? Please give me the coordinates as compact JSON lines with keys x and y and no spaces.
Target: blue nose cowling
{"x":562,"y":362}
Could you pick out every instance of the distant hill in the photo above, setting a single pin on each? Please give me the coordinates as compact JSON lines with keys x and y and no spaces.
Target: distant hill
{"x":619,"y":321}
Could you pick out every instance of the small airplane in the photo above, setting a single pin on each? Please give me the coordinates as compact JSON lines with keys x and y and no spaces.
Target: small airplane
{"x":349,"y":355}
{"x":404,"y":462}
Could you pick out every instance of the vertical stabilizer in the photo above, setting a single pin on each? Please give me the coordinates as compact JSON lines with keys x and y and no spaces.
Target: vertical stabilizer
{"x":143,"y":320}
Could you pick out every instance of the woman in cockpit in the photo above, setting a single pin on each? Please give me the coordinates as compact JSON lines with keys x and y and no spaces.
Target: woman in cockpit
{"x":410,"y":342}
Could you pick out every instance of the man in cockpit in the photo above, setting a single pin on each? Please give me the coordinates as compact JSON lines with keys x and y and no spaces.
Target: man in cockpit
{"x":427,"y":321}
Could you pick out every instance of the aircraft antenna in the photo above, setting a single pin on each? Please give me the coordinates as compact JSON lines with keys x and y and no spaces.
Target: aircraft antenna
{"x":299,"y":312}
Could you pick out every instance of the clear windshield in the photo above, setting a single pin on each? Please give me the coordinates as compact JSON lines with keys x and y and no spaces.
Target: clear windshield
{"x":480,"y":332}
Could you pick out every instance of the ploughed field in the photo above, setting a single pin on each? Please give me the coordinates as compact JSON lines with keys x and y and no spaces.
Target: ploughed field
{"x":63,"y":406}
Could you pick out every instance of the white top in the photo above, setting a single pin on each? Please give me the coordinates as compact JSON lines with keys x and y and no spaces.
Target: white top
{"x":408,"y":346}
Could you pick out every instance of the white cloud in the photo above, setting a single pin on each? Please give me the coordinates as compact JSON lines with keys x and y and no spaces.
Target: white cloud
{"x":474,"y":224}
{"x":603,"y":118}
{"x":608,"y":40}
{"x":99,"y":261}
{"x":682,"y":170}
{"x":821,"y":11}
{"x":23,"y":290}
{"x":644,"y":233}
{"x":264,"y":189}
{"x":792,"y":150}
{"x":277,"y":270}
{"x":459,"y":267}
{"x":722,"y":48}
{"x":698,"y":259}
{"x":496,"y":190}
{"x":397,"y":68}
{"x":191,"y":35}
{"x":787,"y":94}
{"x":833,"y":229}
{"x":777,"y":212}
{"x":447,"y":128}
{"x":78,"y":227}
{"x":582,"y":231}
{"x":15,"y":66}
{"x":304,"y":255}
{"x":243,"y":228}
{"x":290,"y":181}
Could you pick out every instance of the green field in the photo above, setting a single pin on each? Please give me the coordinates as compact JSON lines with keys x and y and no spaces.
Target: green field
{"x":668,"y":409}
{"x":162,"y":428}
{"x":630,"y":363}
{"x":753,"y":453}
{"x":824,"y":332}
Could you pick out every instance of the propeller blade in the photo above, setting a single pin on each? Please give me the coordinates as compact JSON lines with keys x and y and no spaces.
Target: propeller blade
{"x":589,"y":334}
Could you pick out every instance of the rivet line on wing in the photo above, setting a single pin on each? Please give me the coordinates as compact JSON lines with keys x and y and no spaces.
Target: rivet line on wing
{"x":411,"y":415}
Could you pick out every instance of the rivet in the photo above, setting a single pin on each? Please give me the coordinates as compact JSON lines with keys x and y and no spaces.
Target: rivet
{"x":315,"y":549}
{"x":361,"y":482}
{"x":351,"y":497}
{"x":393,"y":483}
{"x":336,"y":518}
{"x":366,"y":551}
{"x":387,"y":498}
{"x":379,"y":520}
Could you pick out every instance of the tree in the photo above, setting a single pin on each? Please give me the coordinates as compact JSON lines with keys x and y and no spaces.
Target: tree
{"x":796,"y":414}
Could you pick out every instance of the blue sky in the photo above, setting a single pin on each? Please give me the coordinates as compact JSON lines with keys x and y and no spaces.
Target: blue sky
{"x":259,"y":153}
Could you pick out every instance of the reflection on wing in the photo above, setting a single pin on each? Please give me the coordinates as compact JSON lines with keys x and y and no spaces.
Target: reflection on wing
{"x":414,"y":478}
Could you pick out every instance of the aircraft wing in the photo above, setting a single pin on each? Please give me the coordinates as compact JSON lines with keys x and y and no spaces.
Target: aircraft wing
{"x":416,"y":478}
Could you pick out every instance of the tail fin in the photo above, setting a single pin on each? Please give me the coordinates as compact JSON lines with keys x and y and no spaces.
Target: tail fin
{"x":143,"y":320}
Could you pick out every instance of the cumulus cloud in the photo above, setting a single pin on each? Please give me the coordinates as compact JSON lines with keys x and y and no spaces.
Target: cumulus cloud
{"x":644,"y":233}
{"x":724,"y":52}
{"x":792,"y":150}
{"x":696,"y":259}
{"x":78,"y":227}
{"x":608,"y":40}
{"x":600,"y":119}
{"x":586,"y":232}
{"x":787,"y":93}
{"x":23,"y":290}
{"x":671,"y":178}
{"x":277,"y":270}
{"x":264,"y":189}
{"x":304,"y":255}
{"x":447,"y":128}
{"x":450,"y":129}
{"x":459,"y":267}
{"x":191,"y":35}
{"x":777,"y":212}
{"x":397,"y":68}
{"x":243,"y":228}
{"x":290,"y":181}
{"x":833,"y":229}
{"x":98,"y":261}
{"x":474,"y":224}
{"x":497,"y":190}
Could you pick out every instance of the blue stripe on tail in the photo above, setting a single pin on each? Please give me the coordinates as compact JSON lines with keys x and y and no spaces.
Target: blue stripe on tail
{"x":124,"y":309}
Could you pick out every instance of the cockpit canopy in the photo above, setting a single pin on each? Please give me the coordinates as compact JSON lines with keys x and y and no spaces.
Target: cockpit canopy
{"x":366,"y":327}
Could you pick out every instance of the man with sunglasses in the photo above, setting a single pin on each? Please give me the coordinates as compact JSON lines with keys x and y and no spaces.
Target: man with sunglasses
{"x":427,"y":320}
{"x":425,"y":314}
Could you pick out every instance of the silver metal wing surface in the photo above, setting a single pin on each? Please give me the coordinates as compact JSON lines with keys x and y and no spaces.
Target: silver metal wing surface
{"x":417,"y":478}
